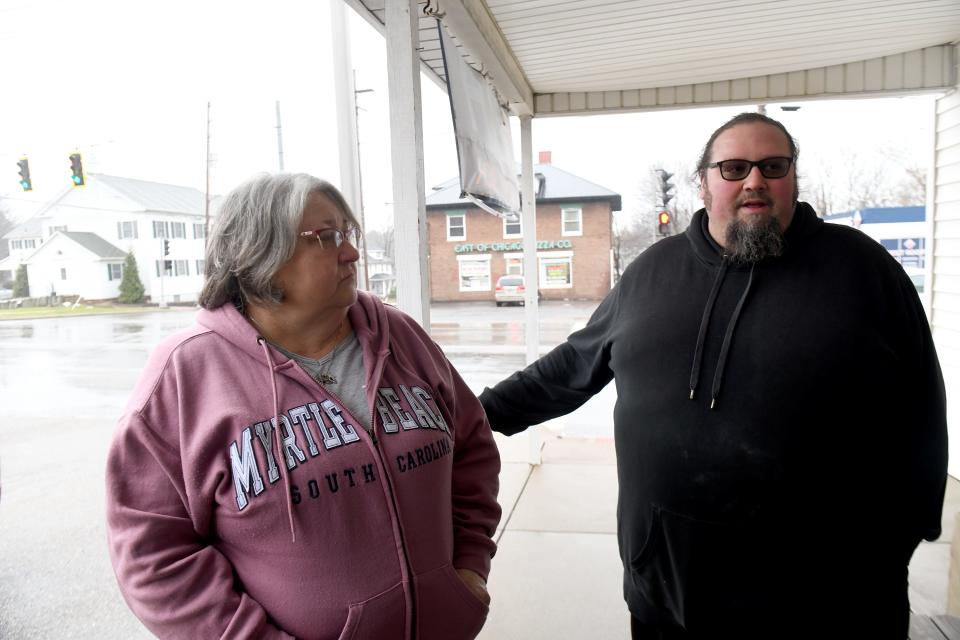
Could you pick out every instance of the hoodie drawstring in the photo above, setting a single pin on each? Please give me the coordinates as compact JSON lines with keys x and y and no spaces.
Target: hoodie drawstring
{"x":281,"y":460}
{"x":704,"y":323}
{"x":727,"y":338}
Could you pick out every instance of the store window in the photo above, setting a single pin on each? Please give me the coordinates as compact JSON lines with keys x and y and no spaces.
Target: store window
{"x":474,"y":273}
{"x":513,"y":266}
{"x":556,"y":271}
{"x":512,"y":229}
{"x":456,"y":226}
{"x":571,"y":221}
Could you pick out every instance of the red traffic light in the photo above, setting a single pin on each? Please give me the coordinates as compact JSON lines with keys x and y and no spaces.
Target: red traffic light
{"x":664,"y":217}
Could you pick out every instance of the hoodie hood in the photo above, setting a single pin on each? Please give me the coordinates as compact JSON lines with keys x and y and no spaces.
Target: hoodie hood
{"x":805,"y":224}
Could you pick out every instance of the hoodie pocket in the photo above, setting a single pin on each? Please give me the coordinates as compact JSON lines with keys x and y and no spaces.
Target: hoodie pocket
{"x":446,"y":608}
{"x":382,"y":616}
{"x":698,"y":574}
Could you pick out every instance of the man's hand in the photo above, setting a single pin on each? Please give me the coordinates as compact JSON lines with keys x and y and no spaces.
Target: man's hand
{"x":476,"y":584}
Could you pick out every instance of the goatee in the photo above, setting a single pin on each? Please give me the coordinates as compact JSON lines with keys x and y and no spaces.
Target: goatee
{"x":752,"y":242}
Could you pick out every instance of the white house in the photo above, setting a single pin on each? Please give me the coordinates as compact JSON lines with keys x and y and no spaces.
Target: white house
{"x":380,"y":277}
{"x":76,"y":262}
{"x":110,"y":215}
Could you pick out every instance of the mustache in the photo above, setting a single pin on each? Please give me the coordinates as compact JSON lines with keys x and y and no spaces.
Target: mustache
{"x":765,"y":199}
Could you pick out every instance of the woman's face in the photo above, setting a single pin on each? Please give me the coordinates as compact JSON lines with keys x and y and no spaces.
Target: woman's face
{"x":320,"y":278}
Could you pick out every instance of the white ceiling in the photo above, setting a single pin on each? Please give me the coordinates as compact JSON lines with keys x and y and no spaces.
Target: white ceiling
{"x":533,"y":48}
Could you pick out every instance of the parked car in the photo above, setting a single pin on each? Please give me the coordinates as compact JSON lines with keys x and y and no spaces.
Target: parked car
{"x":509,"y":289}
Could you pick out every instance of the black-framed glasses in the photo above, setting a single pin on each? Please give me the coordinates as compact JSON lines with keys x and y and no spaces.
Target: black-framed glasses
{"x":330,"y":238}
{"x":736,"y":169}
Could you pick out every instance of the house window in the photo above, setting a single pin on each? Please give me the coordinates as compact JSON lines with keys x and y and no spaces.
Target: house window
{"x":16,"y":244}
{"x":30,"y":243}
{"x":181,"y":267}
{"x":199,"y":231}
{"x":127,"y":229}
{"x":114,"y":271}
{"x":556,"y":270}
{"x":63,"y":273}
{"x":456,"y":226}
{"x":512,"y":229}
{"x":168,"y":269}
{"x":200,"y":267}
{"x":160,"y":229}
{"x":571,"y":221}
{"x":474,"y":273}
{"x":178,"y":230}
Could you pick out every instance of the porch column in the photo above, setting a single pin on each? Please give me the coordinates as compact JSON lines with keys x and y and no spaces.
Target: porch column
{"x":406,"y":153}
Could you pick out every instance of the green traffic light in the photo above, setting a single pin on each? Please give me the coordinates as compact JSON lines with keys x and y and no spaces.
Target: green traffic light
{"x":76,"y":180}
{"x":24,"y":184}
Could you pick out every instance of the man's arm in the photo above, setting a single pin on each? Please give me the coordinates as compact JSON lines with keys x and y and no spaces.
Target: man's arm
{"x":176,"y":584}
{"x":559,"y":382}
{"x":927,"y":451}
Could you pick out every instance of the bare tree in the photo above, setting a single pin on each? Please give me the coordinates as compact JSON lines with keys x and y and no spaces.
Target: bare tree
{"x":849,"y":180}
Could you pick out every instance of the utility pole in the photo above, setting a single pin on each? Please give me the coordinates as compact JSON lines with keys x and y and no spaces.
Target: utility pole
{"x":279,"y":137}
{"x":206,"y":193}
{"x":363,"y":223}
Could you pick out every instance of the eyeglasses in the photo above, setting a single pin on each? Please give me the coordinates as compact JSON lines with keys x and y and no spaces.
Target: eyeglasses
{"x":740,"y":169}
{"x":331,"y":238}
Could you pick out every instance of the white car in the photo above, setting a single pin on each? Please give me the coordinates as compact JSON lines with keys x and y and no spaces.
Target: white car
{"x":510,"y":288}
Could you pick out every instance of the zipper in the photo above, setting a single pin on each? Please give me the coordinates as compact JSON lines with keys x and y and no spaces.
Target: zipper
{"x":388,"y":483}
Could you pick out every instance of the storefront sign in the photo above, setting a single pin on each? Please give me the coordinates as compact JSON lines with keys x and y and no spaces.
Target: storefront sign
{"x":484,"y":247}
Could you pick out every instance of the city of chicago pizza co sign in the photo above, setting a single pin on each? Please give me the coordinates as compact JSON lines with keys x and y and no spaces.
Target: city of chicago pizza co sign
{"x":483,"y":247}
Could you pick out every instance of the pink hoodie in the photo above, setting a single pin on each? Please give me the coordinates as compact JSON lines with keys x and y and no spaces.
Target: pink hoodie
{"x":200,"y":524}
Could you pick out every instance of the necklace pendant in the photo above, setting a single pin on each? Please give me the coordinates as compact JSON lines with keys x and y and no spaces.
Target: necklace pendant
{"x":326,"y":378}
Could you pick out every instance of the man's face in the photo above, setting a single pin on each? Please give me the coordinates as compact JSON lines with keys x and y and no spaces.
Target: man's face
{"x":754,"y":205}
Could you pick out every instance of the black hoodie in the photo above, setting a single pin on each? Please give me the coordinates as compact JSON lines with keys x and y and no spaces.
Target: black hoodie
{"x":780,"y":430}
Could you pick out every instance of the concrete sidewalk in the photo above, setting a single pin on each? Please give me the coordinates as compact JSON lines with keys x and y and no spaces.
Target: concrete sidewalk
{"x":557,"y":573}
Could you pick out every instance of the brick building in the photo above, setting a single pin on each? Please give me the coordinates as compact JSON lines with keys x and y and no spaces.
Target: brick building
{"x":470,"y":248}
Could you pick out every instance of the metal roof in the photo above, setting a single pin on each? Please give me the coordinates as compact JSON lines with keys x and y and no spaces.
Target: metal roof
{"x":873,"y":215}
{"x":555,"y":185}
{"x":30,"y":228}
{"x":553,"y":57}
{"x":94,"y":243}
{"x":155,"y":196}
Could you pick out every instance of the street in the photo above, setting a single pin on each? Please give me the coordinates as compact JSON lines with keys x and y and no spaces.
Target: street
{"x":64,"y":383}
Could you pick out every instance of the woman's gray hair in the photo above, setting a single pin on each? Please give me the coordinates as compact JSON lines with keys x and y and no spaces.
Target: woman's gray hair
{"x":255,"y":234}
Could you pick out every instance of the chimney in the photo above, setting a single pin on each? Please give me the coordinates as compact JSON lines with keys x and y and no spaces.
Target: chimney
{"x":544,"y":157}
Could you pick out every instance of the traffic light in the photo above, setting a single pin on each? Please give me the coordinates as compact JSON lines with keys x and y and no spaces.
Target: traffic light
{"x":76,"y":166}
{"x":663,"y":223}
{"x":665,"y":186}
{"x":166,"y":247}
{"x":25,"y":182}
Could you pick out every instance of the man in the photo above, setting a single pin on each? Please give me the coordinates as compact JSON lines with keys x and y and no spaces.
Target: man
{"x":780,"y":424}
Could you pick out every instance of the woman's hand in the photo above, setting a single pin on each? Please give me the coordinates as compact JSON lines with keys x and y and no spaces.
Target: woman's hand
{"x":476,"y":584}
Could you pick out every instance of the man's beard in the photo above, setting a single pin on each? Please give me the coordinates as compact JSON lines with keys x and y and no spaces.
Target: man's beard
{"x":752,"y":242}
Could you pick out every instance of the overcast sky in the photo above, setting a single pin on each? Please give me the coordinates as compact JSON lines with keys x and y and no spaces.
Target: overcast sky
{"x":127,"y":83}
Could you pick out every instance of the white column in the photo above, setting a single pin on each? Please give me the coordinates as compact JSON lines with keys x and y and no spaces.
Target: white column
{"x":531,"y":270}
{"x":347,"y":136}
{"x":406,"y":142}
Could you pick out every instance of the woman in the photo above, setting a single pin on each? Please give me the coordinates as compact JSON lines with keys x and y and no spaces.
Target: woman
{"x":304,"y":461}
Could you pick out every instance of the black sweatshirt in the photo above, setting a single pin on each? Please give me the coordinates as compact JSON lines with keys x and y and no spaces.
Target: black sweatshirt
{"x":805,"y":489}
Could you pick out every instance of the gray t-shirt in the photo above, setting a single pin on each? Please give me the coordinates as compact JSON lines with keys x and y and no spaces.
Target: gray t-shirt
{"x":341,"y":373}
